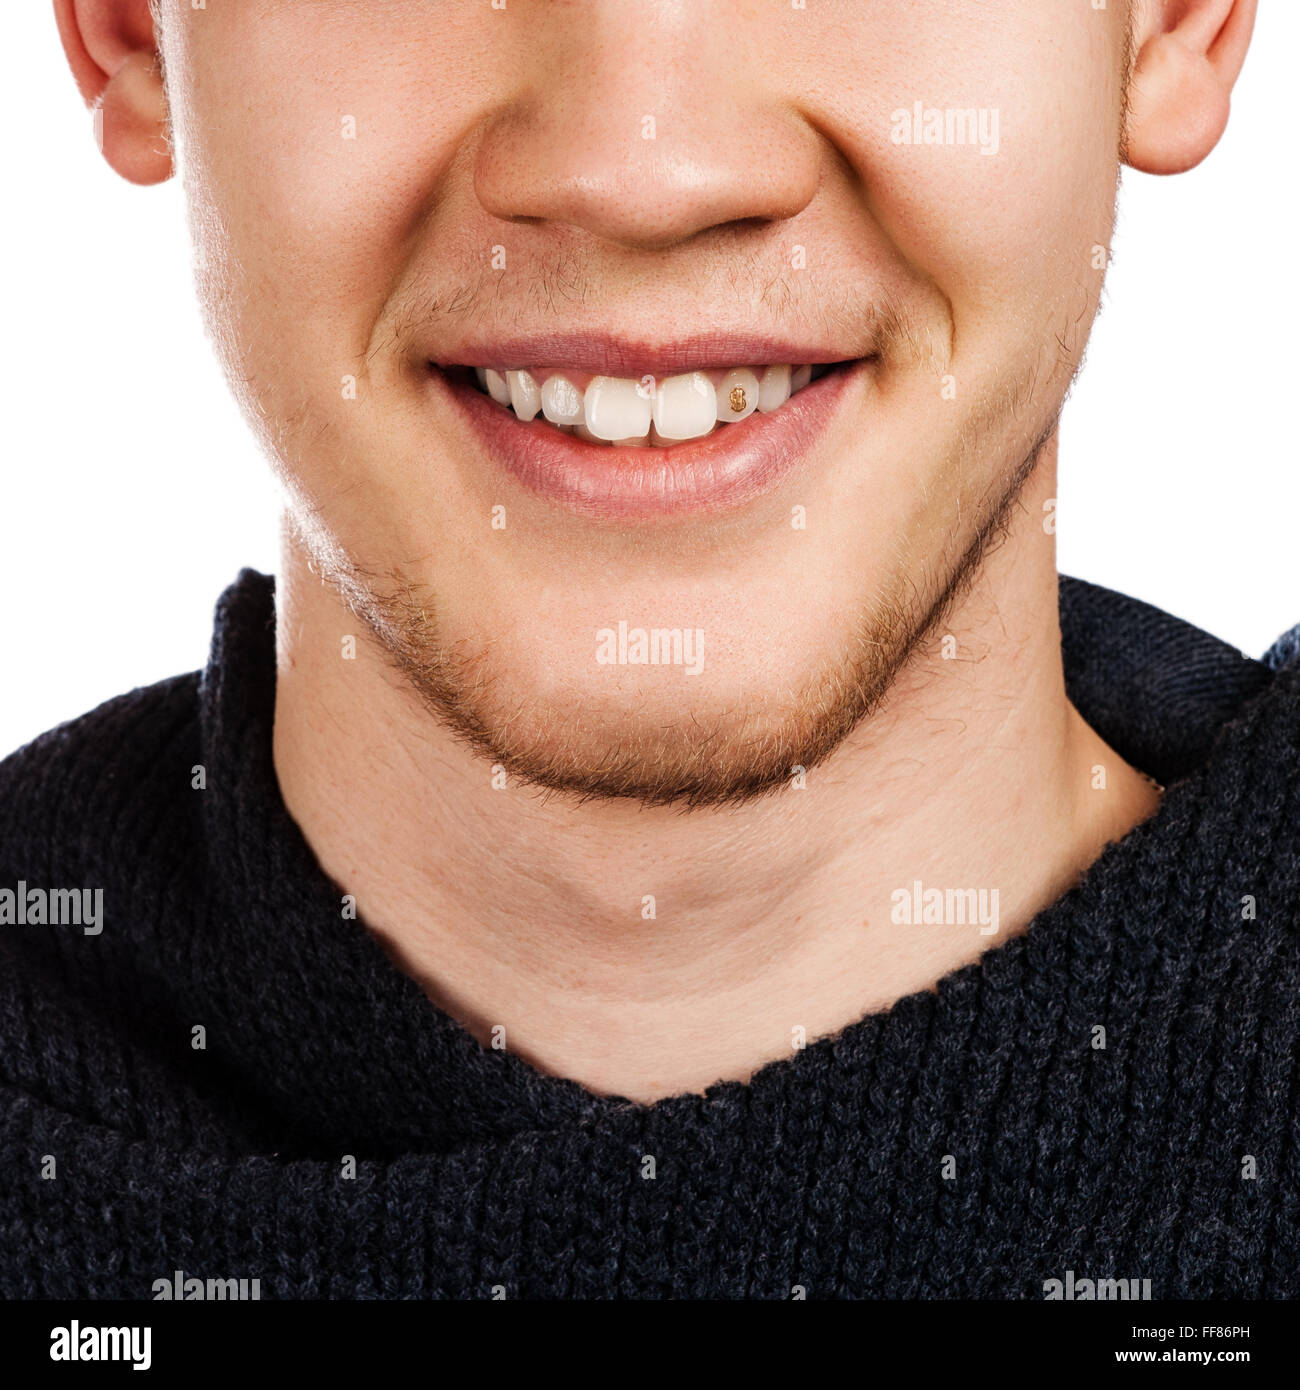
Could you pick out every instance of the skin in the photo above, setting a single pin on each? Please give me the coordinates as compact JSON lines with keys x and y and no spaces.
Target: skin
{"x":908,"y":636}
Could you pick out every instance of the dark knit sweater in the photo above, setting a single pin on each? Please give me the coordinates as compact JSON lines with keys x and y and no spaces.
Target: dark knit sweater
{"x":973,"y":1141}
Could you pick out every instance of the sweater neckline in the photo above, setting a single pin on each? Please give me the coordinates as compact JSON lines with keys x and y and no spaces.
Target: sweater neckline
{"x":379,"y":1069}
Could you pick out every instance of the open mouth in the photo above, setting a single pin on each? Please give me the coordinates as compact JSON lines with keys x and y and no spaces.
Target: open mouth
{"x":642,"y":412}
{"x":602,"y":438}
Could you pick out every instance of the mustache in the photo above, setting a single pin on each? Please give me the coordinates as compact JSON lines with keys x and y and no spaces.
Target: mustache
{"x":513,"y":294}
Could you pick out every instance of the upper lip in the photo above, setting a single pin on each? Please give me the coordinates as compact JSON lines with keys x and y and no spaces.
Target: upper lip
{"x":607,"y":354}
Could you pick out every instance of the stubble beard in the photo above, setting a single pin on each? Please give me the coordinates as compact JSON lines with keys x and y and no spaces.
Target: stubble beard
{"x":730,"y":759}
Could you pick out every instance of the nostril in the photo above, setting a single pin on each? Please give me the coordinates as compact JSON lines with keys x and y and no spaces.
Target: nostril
{"x":594,"y":161}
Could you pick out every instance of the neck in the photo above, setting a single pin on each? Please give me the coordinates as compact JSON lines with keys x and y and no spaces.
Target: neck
{"x":647,"y":952}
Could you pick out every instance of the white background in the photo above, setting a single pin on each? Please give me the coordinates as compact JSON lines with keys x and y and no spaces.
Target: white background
{"x":131,"y":492}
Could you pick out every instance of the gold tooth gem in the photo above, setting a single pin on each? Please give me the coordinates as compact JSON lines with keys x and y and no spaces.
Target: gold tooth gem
{"x":737,"y":399}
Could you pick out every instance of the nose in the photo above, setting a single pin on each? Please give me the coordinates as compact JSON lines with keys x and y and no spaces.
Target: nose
{"x":645,"y":125}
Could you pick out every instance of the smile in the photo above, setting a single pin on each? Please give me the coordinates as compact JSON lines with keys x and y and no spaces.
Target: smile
{"x":639,"y":413}
{"x":625,"y":443}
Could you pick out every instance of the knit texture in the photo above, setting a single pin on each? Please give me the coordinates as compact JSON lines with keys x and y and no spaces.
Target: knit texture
{"x":969,"y":1142}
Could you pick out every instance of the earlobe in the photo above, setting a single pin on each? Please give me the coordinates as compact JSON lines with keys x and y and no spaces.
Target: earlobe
{"x":1177,"y":109}
{"x":1180,"y":89}
{"x":132,"y":121}
{"x":110,"y":48}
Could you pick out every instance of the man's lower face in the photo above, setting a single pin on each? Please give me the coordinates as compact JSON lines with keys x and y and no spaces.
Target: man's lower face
{"x":693,"y":650}
{"x":649,"y":412}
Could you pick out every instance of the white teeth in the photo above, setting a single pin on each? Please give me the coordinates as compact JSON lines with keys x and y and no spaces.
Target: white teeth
{"x":737,"y":395}
{"x":617,"y":408}
{"x":497,"y":388}
{"x":774,"y":388}
{"x":525,"y":394}
{"x":561,"y":401}
{"x":628,"y":413}
{"x":685,"y":407}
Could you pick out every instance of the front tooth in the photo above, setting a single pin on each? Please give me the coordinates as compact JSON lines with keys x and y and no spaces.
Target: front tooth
{"x":481,"y":373}
{"x":497,"y":388}
{"x":799,"y":378}
{"x":525,"y":394}
{"x":774,"y":388}
{"x":561,"y":401}
{"x":617,"y":408}
{"x":685,"y":406}
{"x":737,"y":396}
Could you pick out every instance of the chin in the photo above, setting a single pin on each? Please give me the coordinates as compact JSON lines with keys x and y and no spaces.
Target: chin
{"x":625,"y":729}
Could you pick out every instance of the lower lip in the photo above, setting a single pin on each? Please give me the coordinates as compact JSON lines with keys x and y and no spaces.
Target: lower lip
{"x":724,"y":470}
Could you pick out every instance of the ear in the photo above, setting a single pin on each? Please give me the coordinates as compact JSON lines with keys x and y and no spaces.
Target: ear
{"x":111,"y":49}
{"x":1188,"y":56}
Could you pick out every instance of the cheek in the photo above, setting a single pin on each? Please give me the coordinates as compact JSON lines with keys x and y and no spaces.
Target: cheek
{"x":323,"y":145}
{"x":1007,"y":236}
